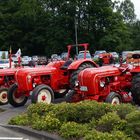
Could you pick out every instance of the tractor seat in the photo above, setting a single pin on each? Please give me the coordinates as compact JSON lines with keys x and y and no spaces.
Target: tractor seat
{"x":66,"y":64}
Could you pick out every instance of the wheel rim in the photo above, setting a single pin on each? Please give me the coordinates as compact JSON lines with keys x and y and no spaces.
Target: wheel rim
{"x":18,"y":97}
{"x":44,"y":96}
{"x":3,"y":96}
{"x":115,"y":101}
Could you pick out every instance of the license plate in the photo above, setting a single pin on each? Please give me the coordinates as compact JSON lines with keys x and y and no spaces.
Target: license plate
{"x":83,"y":88}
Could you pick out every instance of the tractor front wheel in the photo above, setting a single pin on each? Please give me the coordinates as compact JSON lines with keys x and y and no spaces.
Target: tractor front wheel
{"x":42,"y":94}
{"x":136,"y":89}
{"x":16,"y":98}
{"x":74,"y":75}
{"x":3,"y":96}
{"x":113,"y":98}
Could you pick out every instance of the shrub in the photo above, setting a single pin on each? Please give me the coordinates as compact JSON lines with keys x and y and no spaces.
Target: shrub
{"x":19,"y":120}
{"x":39,"y":108}
{"x":124,"y":109}
{"x":48,"y":122}
{"x":133,"y":123}
{"x":110,"y":121}
{"x":71,"y":130}
{"x":115,"y":135}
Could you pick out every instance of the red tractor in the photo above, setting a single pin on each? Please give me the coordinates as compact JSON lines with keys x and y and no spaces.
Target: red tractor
{"x":106,"y":59}
{"x":7,"y":78}
{"x":108,"y":83}
{"x":49,"y":82}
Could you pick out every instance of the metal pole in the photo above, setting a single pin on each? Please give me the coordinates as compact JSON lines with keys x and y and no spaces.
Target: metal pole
{"x":76,"y":40}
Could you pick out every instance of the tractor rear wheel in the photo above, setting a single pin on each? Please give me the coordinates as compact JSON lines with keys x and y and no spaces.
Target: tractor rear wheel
{"x":74,"y":75}
{"x":3,"y":96}
{"x":16,"y":98}
{"x":113,"y":98}
{"x":69,"y":95}
{"x":136,"y":89}
{"x":42,"y":94}
{"x":60,"y":93}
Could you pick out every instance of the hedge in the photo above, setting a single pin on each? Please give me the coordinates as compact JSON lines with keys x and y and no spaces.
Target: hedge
{"x":87,"y":120}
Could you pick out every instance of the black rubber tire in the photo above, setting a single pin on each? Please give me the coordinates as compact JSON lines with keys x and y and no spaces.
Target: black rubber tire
{"x":60,"y":95}
{"x":111,"y":96}
{"x":38,"y":89}
{"x":69,"y":95}
{"x":5,"y":101}
{"x":136,"y":89}
{"x":11,"y":99}
{"x":75,"y":73}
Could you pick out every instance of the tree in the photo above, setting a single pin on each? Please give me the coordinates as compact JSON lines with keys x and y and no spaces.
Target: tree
{"x":127,"y":10}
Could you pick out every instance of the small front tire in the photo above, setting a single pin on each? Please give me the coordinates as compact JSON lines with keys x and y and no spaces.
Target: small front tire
{"x":113,"y":98}
{"x":42,"y":94}
{"x":3,"y":96}
{"x":16,"y":98}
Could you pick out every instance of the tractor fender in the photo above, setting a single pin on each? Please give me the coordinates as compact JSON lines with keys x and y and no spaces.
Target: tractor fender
{"x":76,"y":64}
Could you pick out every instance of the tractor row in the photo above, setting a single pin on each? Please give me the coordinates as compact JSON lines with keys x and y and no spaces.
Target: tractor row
{"x":49,"y":82}
{"x":76,"y":80}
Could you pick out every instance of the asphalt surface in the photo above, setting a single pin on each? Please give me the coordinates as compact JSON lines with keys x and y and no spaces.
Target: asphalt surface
{"x":11,"y":111}
{"x":10,"y":133}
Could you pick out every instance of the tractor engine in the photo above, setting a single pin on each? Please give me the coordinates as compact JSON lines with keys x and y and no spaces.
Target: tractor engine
{"x":98,"y":83}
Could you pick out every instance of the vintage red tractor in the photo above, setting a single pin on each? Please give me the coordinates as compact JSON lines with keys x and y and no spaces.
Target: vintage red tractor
{"x":106,"y":59}
{"x":108,"y":84}
{"x":49,"y":82}
{"x":7,"y":78}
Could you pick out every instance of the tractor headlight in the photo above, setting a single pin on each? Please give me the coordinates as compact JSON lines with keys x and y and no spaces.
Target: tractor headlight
{"x":102,"y":84}
{"x":76,"y":83}
{"x":29,"y":77}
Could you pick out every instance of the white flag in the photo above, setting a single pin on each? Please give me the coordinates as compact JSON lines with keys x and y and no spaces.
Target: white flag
{"x":18,"y":53}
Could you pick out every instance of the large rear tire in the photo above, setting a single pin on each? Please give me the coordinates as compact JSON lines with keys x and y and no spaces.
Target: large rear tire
{"x":69,"y":95}
{"x":3,"y":96}
{"x":15,"y":98}
{"x":61,"y":93}
{"x":136,"y":89}
{"x":113,"y":98}
{"x":74,"y":75}
{"x":42,"y":94}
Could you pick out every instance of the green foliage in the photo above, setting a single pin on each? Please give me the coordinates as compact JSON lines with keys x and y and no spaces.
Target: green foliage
{"x":125,"y":109}
{"x":133,"y":123}
{"x":115,"y":135}
{"x":40,"y":27}
{"x":48,"y":122}
{"x":39,"y":109}
{"x":19,"y":120}
{"x":71,"y":130}
{"x":110,"y":121}
{"x":86,"y":120}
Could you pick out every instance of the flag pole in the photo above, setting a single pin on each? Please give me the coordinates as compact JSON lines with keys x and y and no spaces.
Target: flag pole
{"x":10,"y":57}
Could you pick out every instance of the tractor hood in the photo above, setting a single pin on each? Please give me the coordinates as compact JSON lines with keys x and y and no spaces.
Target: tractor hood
{"x":25,"y":77}
{"x":34,"y":71}
{"x":90,"y":77}
{"x":4,"y":72}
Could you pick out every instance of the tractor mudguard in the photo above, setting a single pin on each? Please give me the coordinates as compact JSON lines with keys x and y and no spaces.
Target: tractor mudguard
{"x":77,"y":63}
